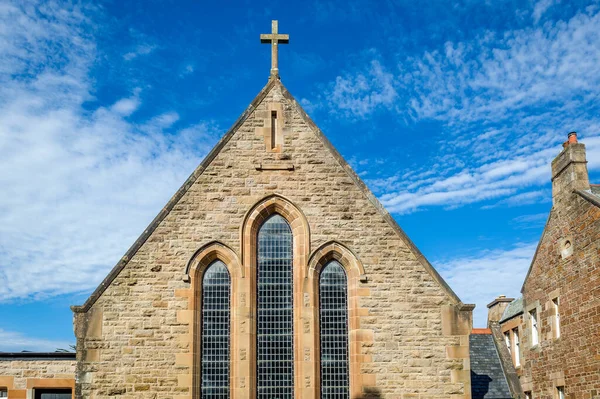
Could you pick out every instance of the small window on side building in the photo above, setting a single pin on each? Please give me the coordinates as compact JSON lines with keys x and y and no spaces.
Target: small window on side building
{"x":528,"y":395}
{"x":533,"y":323}
{"x":52,"y":393}
{"x":517,"y":349}
{"x":507,"y":340}
{"x":560,"y":391}
{"x":3,"y":393}
{"x":556,"y":304}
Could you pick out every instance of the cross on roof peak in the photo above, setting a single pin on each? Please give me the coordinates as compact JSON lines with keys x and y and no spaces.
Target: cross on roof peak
{"x":274,"y":38}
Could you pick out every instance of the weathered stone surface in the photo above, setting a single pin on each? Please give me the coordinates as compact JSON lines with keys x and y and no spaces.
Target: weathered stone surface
{"x":142,"y":329}
{"x":566,"y":267}
{"x":21,"y":375}
{"x":571,"y":360}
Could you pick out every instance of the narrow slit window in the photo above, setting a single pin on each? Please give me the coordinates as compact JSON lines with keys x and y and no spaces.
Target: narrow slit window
{"x":215,"y":332}
{"x":273,"y":129}
{"x":507,"y":340}
{"x":556,"y":304}
{"x":275,"y":333}
{"x":560,"y":391}
{"x":333,"y":317}
{"x":517,"y":350}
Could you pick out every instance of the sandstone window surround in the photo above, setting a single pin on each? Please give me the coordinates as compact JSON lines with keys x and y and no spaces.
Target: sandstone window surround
{"x":53,"y":393}
{"x":533,"y":325}
{"x":556,"y":317}
{"x":307,"y":267}
{"x":517,"y":349}
{"x":205,"y":257}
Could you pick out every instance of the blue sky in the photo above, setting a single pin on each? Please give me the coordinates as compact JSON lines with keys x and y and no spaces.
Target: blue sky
{"x":450,"y":112}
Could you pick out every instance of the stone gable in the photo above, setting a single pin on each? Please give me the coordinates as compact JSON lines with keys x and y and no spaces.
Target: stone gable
{"x":570,"y":274}
{"x":409,"y":332}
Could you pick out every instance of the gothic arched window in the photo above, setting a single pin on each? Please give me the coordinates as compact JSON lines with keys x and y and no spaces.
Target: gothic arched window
{"x":275,"y":345}
{"x":333,"y":314}
{"x":215,"y":332}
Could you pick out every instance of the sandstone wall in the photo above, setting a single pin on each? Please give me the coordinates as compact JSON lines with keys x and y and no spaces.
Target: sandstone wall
{"x":411,"y":335}
{"x":571,"y":273}
{"x":22,"y":376}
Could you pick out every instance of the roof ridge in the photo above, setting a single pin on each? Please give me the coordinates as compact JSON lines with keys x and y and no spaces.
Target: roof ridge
{"x":211,"y":156}
{"x":380,"y":208}
{"x":174,"y":199}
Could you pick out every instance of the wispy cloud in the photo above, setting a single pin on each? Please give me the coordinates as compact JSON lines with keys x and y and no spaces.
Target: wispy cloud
{"x":483,"y":276}
{"x":78,"y":184}
{"x":535,"y":220}
{"x":540,"y":8}
{"x":505,"y":101}
{"x":140,"y":49}
{"x":11,"y":341}
{"x":360,"y":94}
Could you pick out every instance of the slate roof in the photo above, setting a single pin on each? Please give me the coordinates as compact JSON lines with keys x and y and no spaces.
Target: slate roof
{"x":592,"y":195}
{"x":487,"y":376}
{"x":37,"y":355}
{"x":513,"y":309}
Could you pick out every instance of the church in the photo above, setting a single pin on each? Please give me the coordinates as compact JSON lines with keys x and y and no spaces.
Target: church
{"x":273,"y":272}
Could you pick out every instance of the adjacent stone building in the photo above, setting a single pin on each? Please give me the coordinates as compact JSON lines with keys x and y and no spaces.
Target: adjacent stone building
{"x":553,"y":331}
{"x":27,"y":375}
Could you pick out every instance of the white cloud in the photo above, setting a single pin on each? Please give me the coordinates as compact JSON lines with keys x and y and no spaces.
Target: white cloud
{"x":363,"y":93}
{"x":78,"y":185}
{"x":535,"y":220}
{"x":540,"y":8}
{"x":141,"y":49}
{"x":11,"y":341}
{"x":127,"y":106}
{"x":482,"y":277}
{"x":506,"y":101}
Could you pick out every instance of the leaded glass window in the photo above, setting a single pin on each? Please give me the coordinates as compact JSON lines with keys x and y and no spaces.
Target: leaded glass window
{"x":215,"y":332}
{"x":333,"y":314}
{"x":275,"y":339}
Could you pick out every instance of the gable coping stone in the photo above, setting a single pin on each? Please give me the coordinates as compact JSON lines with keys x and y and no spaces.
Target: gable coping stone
{"x":212,"y":155}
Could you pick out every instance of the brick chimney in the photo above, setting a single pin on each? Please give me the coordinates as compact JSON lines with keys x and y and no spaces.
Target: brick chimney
{"x":496,"y":308}
{"x":569,"y":170}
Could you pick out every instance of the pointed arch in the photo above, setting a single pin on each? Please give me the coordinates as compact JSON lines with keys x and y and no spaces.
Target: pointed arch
{"x":205,"y":257}
{"x":334,"y":251}
{"x":252,"y":222}
{"x":210,"y":252}
{"x":261,"y":211}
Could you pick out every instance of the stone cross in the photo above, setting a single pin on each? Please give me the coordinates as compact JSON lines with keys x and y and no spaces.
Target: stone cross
{"x":274,"y":38}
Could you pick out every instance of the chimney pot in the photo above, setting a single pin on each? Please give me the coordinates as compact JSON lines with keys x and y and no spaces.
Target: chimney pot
{"x":572,"y":137}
